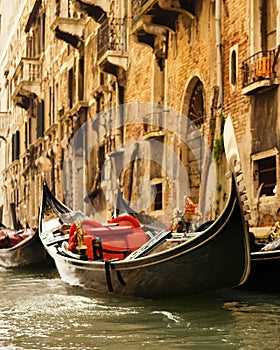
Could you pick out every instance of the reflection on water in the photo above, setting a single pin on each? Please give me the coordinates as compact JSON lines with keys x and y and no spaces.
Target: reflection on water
{"x":39,"y":311}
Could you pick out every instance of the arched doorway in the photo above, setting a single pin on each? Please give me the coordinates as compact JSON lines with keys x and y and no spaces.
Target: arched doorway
{"x":192,"y":153}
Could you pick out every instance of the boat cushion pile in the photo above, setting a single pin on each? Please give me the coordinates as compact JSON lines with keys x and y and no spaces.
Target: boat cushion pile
{"x":9,"y":238}
{"x":112,"y":238}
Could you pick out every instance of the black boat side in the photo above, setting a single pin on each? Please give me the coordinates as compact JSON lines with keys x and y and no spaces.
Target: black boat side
{"x":217,"y":258}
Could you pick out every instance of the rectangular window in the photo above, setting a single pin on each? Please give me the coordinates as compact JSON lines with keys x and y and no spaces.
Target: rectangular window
{"x":71,"y":88}
{"x":101,"y":157}
{"x":50,"y":106}
{"x":26,"y":140}
{"x":81,"y":79}
{"x":157,"y":157}
{"x":15,"y":145}
{"x":40,"y":119}
{"x":157,"y":191}
{"x":266,"y":169}
{"x":29,"y":131}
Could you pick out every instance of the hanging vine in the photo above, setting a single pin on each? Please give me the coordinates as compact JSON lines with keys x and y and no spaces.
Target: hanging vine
{"x":218,"y":147}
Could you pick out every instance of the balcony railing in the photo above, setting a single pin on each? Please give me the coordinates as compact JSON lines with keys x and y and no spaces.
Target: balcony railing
{"x":65,"y":9}
{"x":29,"y":70}
{"x":260,"y":66}
{"x":27,"y":77}
{"x":112,"y":36}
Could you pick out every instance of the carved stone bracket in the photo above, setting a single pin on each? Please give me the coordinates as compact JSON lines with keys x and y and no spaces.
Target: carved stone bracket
{"x":70,"y":30}
{"x":183,"y":6}
{"x":95,"y":9}
{"x":156,"y":37}
{"x":103,"y":4}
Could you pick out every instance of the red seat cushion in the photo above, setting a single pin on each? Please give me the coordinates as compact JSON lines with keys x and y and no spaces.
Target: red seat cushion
{"x":111,"y":237}
{"x":125,"y":220}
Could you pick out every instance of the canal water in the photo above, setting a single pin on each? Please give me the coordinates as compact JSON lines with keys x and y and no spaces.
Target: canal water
{"x":39,"y":311}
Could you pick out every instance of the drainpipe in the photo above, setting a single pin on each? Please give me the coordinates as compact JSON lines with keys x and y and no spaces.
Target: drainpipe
{"x":278,"y":24}
{"x":219,"y":51}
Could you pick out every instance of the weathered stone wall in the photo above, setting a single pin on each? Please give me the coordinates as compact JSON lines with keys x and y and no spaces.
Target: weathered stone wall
{"x":191,"y":56}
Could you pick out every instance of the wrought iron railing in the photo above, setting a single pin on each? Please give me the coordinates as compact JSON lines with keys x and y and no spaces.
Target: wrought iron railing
{"x":112,"y":36}
{"x":259,"y":66}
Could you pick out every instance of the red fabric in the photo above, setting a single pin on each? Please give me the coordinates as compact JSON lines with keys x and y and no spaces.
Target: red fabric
{"x":126,"y":220}
{"x":88,"y":242}
{"x":72,"y":238}
{"x":3,"y":239}
{"x":26,"y":233}
{"x":112,"y":237}
{"x":86,"y":225}
{"x":9,"y":238}
{"x":136,"y":239}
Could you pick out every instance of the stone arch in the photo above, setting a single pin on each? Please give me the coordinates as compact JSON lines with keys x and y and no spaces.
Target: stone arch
{"x":193,"y":107}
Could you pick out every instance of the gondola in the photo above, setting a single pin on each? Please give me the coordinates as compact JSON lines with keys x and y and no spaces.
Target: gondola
{"x":128,"y":259}
{"x":20,"y":248}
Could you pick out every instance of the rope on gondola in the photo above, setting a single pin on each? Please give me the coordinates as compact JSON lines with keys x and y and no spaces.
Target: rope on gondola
{"x":121,"y":280}
{"x":108,"y":276}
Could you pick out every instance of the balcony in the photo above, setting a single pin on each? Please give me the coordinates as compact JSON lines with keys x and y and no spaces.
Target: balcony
{"x":3,"y":124}
{"x":96,"y":9}
{"x":112,"y":54}
{"x":26,"y":81}
{"x":259,"y":72}
{"x":148,"y":14}
{"x":67,"y":25}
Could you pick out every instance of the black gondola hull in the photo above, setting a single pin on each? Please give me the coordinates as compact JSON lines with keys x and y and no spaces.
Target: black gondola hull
{"x":265,"y":267}
{"x":27,"y":252}
{"x":217,"y":258}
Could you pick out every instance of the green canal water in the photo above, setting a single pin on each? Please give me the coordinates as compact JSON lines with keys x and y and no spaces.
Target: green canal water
{"x":39,"y":311}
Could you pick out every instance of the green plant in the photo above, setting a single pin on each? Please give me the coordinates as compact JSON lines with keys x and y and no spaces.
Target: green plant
{"x":218,"y":149}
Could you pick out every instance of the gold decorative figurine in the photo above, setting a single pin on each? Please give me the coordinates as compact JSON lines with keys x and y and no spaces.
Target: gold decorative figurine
{"x":81,"y":247}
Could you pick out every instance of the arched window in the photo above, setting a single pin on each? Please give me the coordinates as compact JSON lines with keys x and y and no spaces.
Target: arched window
{"x":233,"y":67}
{"x":196,"y":106}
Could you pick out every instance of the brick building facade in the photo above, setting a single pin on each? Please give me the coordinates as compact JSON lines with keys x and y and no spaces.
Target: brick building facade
{"x":179,"y":68}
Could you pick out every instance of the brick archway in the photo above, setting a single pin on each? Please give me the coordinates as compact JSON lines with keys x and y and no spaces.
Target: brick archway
{"x":194,"y":109}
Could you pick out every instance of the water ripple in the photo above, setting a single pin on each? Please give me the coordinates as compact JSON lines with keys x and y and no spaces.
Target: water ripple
{"x":39,"y":311}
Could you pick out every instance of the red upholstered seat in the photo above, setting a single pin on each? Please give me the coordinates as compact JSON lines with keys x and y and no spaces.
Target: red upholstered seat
{"x":9,"y":238}
{"x":125,"y":220}
{"x":4,"y":239}
{"x":111,"y":239}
